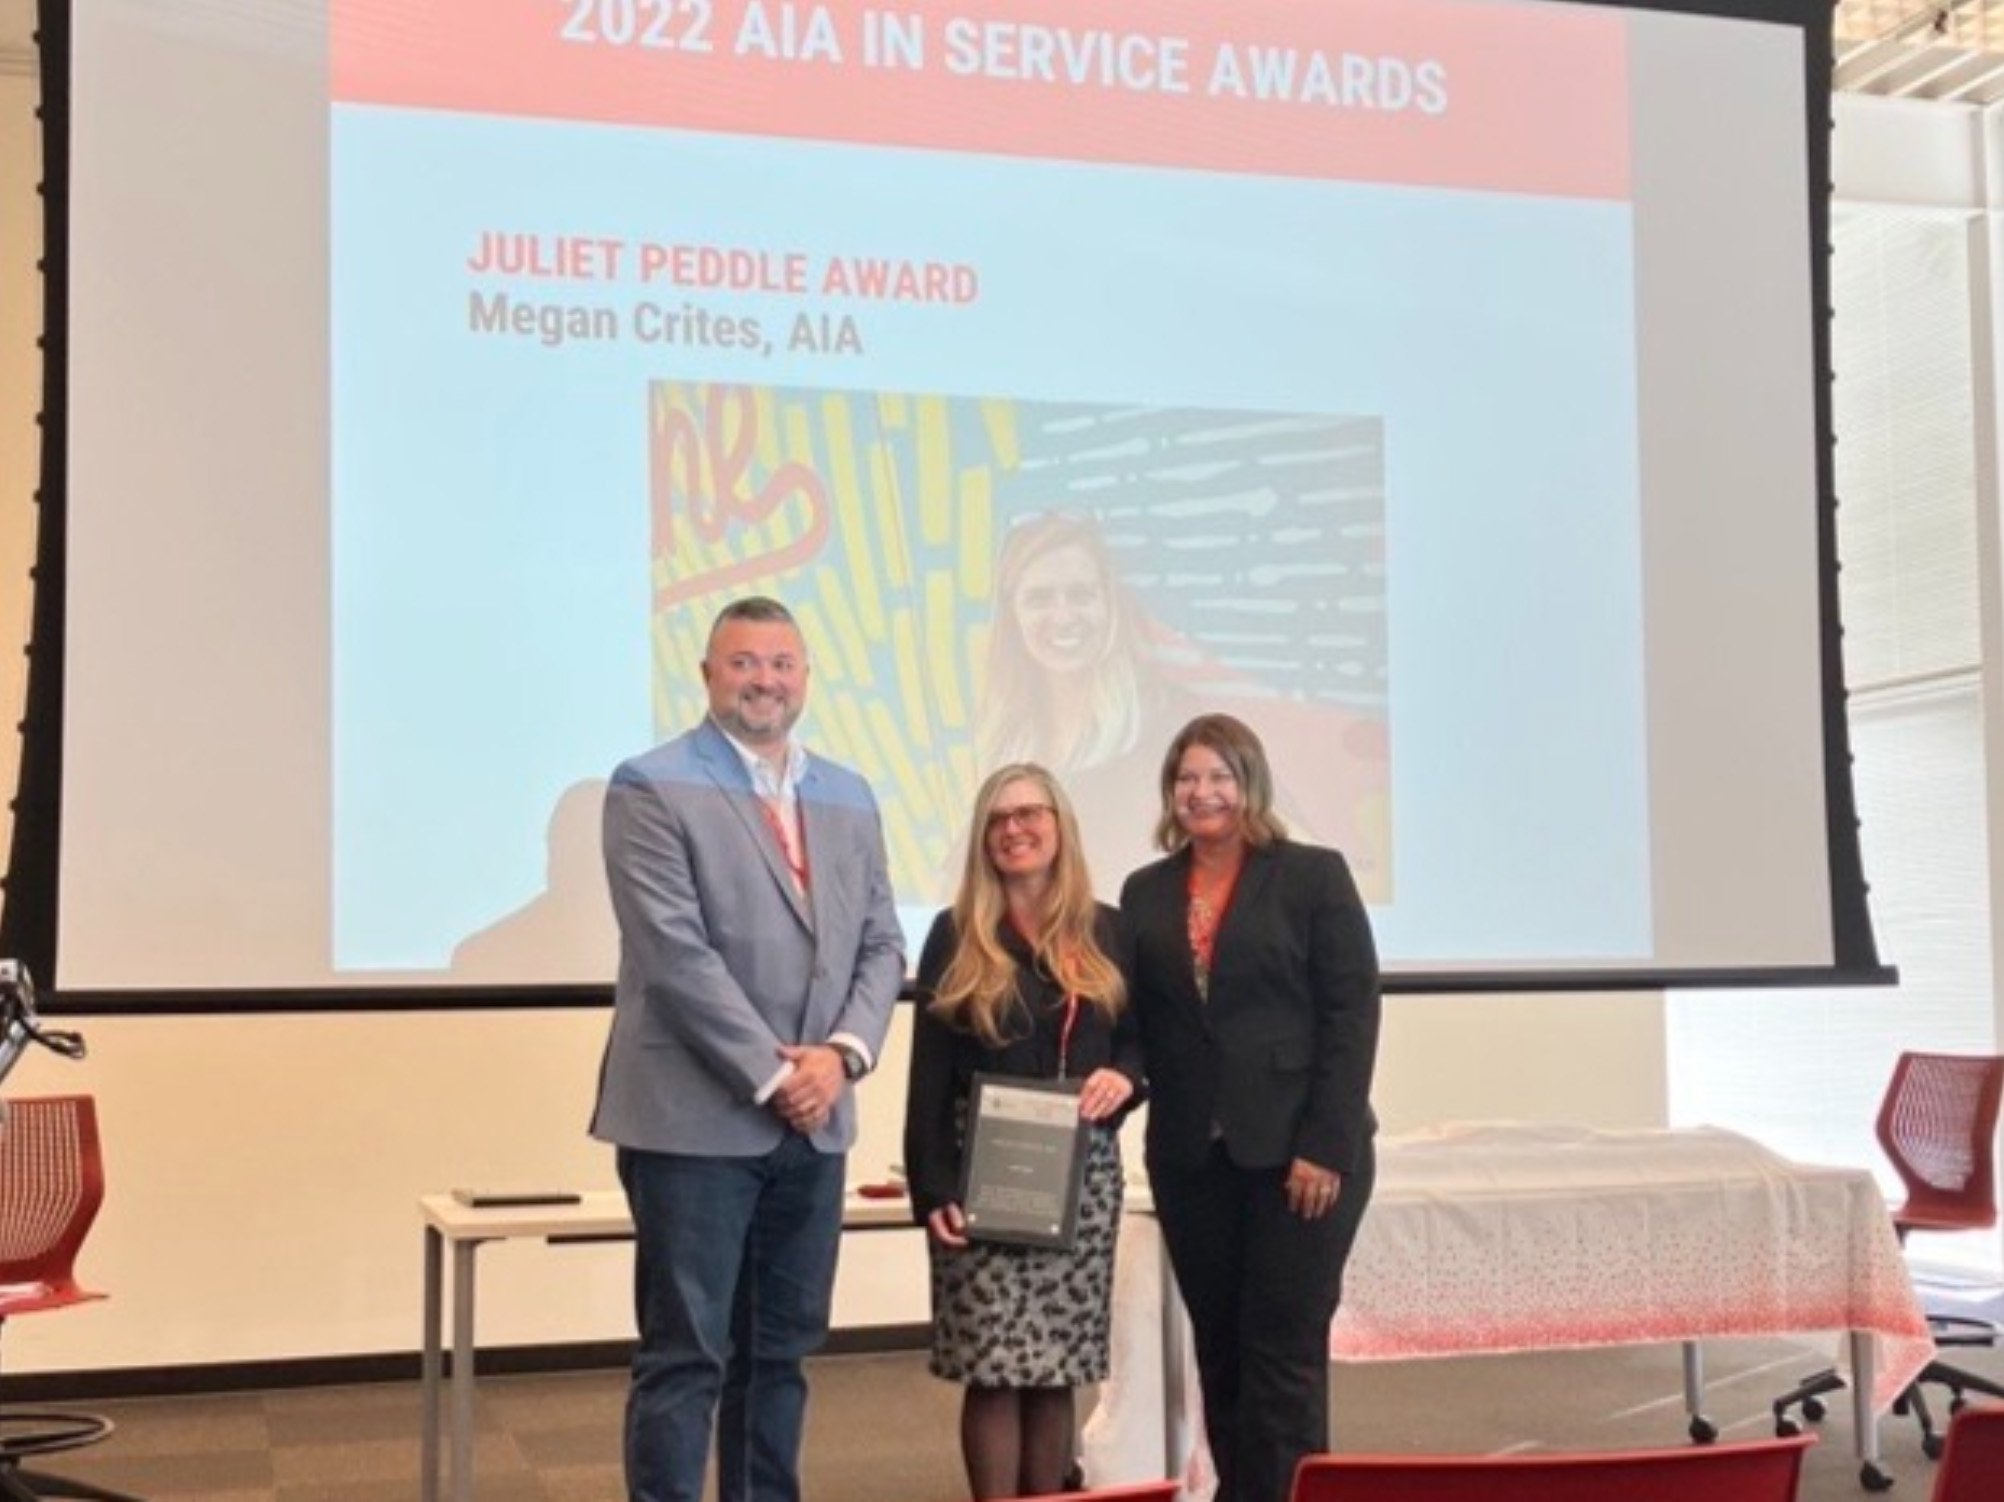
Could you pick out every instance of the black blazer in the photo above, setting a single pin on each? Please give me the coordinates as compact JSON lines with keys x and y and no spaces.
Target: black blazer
{"x":1280,"y":1056}
{"x":945,"y":1059}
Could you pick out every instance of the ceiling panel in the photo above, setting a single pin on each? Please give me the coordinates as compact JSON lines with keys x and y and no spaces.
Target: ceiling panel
{"x":1922,"y":49}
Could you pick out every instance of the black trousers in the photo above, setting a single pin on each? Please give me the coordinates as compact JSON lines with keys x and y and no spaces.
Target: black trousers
{"x":1261,"y":1285}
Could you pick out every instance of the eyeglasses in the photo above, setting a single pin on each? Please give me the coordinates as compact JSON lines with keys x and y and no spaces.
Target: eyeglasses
{"x":1023,"y":815}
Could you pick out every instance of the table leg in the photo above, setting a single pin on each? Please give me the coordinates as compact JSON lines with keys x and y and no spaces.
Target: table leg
{"x":428,"y":1370}
{"x":1701,"y":1429}
{"x":1176,"y":1438}
{"x":462,"y":1369}
{"x":1864,"y":1372}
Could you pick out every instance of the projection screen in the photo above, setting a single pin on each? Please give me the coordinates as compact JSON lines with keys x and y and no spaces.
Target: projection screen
{"x":1437,"y":385}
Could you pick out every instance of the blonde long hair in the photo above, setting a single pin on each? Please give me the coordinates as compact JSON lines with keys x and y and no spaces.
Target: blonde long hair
{"x":1015,"y":706}
{"x":978,"y":989}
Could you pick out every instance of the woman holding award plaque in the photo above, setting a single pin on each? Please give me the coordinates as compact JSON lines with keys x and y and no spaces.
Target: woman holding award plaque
{"x":1020,"y":984}
{"x":1255,"y":983}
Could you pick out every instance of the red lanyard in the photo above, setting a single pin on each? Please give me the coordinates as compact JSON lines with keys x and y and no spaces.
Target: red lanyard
{"x":796,"y":863}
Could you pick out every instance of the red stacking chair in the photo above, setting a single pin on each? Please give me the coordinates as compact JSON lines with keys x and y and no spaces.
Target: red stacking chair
{"x":1972,"y":1465}
{"x":51,"y":1184}
{"x":1138,"y":1491}
{"x":1764,"y":1471}
{"x":1938,"y":1128}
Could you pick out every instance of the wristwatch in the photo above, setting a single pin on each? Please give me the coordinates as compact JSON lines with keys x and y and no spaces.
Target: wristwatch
{"x":853,"y":1066}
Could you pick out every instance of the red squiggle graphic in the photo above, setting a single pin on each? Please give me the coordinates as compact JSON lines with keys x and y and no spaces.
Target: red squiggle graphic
{"x":701,"y":478}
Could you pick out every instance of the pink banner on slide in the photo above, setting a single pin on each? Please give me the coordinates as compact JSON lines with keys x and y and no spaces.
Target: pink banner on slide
{"x":1500,"y":97}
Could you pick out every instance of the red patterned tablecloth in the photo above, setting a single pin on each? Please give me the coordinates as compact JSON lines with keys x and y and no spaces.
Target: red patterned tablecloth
{"x":1513,"y":1237}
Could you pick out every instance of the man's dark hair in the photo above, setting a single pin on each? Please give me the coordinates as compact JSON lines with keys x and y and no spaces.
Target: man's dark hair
{"x":754,"y":608}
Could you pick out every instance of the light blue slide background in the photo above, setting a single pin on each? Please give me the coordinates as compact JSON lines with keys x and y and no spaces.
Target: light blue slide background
{"x":490,"y":528}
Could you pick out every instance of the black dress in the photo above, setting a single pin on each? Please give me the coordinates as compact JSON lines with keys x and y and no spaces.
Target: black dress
{"x":1004,"y":1315}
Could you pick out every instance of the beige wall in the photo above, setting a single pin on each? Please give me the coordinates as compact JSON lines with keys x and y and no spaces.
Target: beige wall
{"x":263,"y":1169}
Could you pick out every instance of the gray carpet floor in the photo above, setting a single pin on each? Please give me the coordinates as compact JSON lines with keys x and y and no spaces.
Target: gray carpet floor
{"x":882,"y":1430}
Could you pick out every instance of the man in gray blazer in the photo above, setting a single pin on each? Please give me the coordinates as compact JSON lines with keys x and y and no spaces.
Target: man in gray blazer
{"x":759,"y":958}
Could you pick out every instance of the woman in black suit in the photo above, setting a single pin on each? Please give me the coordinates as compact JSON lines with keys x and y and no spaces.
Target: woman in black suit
{"x":1255,"y":981}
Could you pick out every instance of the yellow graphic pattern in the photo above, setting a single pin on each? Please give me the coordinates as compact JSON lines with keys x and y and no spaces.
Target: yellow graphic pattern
{"x":871,"y":517}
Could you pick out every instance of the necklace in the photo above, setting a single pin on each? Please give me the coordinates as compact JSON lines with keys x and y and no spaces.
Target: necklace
{"x":1210,"y":898}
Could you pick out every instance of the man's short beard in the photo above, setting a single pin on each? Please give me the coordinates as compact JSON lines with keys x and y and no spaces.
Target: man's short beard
{"x":786,"y":713}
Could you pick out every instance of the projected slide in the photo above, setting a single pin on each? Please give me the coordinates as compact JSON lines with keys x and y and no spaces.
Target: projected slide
{"x":1426,"y":382}
{"x":1069,"y":369}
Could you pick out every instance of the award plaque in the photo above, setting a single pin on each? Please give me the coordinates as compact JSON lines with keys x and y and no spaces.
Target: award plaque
{"x":1026,"y":1152}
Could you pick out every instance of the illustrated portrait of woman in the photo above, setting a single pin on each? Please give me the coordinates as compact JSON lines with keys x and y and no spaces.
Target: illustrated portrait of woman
{"x":1071,"y":684}
{"x":1064,"y":674}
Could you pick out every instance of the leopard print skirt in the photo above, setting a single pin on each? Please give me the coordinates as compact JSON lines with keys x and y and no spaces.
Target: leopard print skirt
{"x":1017,"y":1316}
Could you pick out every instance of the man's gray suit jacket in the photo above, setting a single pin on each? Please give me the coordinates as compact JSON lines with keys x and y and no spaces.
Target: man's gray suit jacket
{"x":722,"y":959}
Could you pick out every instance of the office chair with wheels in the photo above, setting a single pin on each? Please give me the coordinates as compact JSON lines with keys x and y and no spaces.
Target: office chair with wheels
{"x":1938,"y":1128}
{"x":1764,"y":1471}
{"x":51,"y":1183}
{"x":1973,"y":1460}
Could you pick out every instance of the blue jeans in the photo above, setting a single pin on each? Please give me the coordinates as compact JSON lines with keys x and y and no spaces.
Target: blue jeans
{"x":734,"y":1271}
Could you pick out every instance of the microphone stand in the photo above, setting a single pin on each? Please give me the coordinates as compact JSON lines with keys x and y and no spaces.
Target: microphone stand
{"x":20,"y":1026}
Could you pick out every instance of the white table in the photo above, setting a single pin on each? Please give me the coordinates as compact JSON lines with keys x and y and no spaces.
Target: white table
{"x":600,"y":1216}
{"x":1493,"y":1237}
